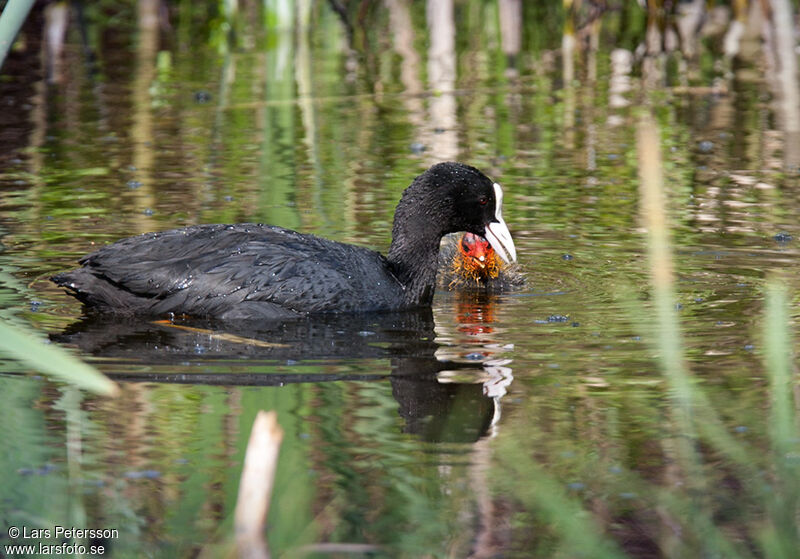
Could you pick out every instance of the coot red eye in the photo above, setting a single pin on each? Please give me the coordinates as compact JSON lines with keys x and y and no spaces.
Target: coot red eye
{"x":483,"y":200}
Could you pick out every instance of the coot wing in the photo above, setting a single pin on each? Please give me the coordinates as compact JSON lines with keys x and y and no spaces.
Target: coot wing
{"x":241,"y":271}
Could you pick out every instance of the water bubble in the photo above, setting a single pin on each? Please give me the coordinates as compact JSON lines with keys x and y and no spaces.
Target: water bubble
{"x":202,"y":96}
{"x":143,"y":474}
{"x":705,"y":146}
{"x":43,"y":471}
{"x":417,"y":147}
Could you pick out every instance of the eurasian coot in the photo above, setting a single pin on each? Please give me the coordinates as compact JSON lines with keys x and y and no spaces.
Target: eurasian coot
{"x":254,"y":271}
{"x":468,"y":262}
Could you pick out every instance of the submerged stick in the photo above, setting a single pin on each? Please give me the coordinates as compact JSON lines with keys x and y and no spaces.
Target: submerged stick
{"x":255,"y":486}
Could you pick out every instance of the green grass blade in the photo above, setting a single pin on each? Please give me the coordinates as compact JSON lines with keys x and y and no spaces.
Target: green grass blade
{"x":781,"y":540}
{"x":580,"y":535}
{"x":11,"y":21}
{"x":52,"y":360}
{"x":778,"y":349}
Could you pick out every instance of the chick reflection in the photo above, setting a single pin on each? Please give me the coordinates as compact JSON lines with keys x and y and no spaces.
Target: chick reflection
{"x":478,"y":372}
{"x":438,"y":399}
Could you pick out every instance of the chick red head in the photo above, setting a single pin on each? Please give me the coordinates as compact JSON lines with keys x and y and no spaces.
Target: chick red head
{"x":476,"y":250}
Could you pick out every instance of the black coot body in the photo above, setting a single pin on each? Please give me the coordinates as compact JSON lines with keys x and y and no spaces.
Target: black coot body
{"x":254,"y":271}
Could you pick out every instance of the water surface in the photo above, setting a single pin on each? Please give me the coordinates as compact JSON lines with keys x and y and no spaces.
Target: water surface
{"x":426,"y":434}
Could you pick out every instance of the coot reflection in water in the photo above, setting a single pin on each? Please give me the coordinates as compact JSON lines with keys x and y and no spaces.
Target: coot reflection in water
{"x":434,"y":410}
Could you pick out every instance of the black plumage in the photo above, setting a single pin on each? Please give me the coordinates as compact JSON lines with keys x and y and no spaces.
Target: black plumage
{"x":254,"y":271}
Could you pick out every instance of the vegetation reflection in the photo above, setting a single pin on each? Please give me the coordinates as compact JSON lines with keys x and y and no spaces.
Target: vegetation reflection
{"x":599,"y":118}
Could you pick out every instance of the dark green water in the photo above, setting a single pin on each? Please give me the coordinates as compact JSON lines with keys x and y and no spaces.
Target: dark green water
{"x":472,"y":431}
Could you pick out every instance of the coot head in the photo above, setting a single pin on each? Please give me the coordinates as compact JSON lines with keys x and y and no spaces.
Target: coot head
{"x":451,"y":197}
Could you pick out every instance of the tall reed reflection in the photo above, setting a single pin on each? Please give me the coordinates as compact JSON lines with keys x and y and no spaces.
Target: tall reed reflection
{"x":312,"y":115}
{"x":673,"y":507}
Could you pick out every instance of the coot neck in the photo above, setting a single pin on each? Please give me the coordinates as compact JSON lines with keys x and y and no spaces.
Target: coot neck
{"x":414,"y":252}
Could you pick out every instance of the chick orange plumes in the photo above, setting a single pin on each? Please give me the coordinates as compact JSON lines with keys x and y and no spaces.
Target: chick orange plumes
{"x":468,"y":262}
{"x":479,"y":262}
